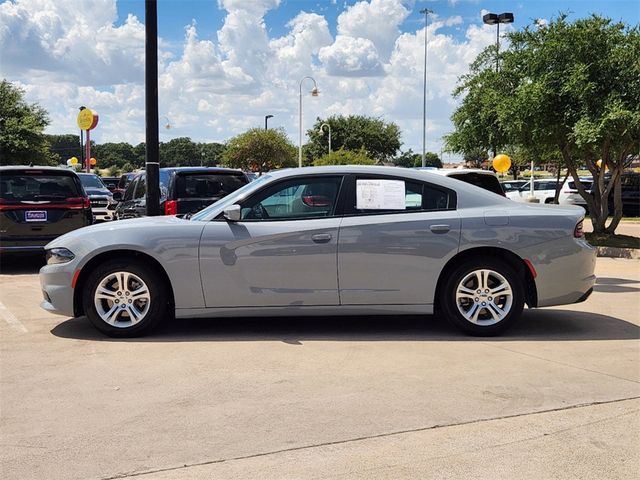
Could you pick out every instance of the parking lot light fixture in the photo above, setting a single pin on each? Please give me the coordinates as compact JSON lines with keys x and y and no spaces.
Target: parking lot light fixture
{"x":495,"y":19}
{"x":322,"y":131}
{"x":266,"y":120}
{"x":314,"y":93}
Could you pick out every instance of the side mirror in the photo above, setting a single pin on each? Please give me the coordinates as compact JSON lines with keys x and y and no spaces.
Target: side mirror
{"x":232,"y":213}
{"x":117,"y":196}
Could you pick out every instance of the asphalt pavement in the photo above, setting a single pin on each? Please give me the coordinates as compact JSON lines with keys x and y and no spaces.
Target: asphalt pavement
{"x":301,"y":398}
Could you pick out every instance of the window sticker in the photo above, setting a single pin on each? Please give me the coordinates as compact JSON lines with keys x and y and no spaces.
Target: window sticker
{"x":380,"y":195}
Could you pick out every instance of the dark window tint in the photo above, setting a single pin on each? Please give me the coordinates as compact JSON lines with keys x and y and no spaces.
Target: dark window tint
{"x":91,"y":181}
{"x":488,"y":182}
{"x":125,"y":180}
{"x":586,"y":184}
{"x":631,"y":181}
{"x":207,"y":185}
{"x":141,"y":187}
{"x":128,"y":194}
{"x":33,"y":187}
{"x":296,"y":199}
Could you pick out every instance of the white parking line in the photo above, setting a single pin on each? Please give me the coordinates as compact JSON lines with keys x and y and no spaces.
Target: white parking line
{"x":11,"y":319}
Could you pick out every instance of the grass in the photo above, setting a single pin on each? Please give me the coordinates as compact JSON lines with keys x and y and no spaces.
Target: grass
{"x":608,"y":240}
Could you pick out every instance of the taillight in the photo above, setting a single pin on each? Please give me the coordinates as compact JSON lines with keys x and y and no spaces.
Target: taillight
{"x":77,"y":203}
{"x":171,"y":207}
{"x":578,"y":232}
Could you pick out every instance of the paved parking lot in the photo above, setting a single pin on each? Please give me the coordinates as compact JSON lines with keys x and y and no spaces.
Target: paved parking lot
{"x":386,"y":397}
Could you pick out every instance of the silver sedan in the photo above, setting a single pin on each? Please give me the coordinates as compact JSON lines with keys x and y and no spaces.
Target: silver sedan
{"x":327,"y":241}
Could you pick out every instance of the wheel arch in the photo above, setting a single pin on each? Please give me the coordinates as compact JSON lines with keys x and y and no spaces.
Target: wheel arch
{"x":78,"y":309}
{"x":518,"y":264}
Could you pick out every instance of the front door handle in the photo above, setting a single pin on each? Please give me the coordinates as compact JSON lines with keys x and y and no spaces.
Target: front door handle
{"x":321,"y":237}
{"x":439,"y":228}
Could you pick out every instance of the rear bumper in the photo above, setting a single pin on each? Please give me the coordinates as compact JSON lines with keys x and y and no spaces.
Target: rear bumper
{"x":565,"y":271}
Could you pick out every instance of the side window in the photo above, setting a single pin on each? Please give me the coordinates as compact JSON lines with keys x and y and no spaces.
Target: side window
{"x":301,"y":198}
{"x":376,"y":195}
{"x":128,"y":193}
{"x":141,"y":188}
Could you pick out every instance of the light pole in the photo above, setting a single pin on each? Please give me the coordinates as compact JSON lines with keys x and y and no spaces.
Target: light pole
{"x":322,"y":131}
{"x":426,"y":13}
{"x":495,"y":19}
{"x":314,"y":93}
{"x":168,"y":124}
{"x":266,"y":119}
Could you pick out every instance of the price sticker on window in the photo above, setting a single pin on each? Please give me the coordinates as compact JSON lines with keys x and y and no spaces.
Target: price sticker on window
{"x":373,"y":194}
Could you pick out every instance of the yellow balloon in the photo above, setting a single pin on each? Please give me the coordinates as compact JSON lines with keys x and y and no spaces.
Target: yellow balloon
{"x":599,"y":163}
{"x":73,"y":161}
{"x":501,"y":163}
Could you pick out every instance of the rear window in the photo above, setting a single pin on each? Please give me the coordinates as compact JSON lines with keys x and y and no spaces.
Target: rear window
{"x":91,"y":181}
{"x":207,"y":186}
{"x":33,"y":186}
{"x":488,"y":182}
{"x":586,"y":184}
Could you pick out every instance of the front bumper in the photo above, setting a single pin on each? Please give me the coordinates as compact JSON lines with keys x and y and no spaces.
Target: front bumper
{"x":57,"y":291}
{"x":102,"y":214}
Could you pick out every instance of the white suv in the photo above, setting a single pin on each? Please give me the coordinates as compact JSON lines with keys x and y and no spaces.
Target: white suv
{"x":545,"y":191}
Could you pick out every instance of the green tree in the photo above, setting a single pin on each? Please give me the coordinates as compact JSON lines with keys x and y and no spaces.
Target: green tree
{"x":345,"y":157}
{"x":260,"y":150}
{"x":113,"y":155}
{"x":569,"y":87}
{"x":410,"y":159}
{"x":63,"y":147}
{"x":21,"y":129}
{"x":211,"y":153}
{"x":180,"y":152}
{"x":380,"y":140}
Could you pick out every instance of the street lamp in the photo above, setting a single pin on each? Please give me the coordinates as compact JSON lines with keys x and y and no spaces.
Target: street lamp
{"x":168,"y":124}
{"x":82,"y":140}
{"x":314,"y":93}
{"x":426,"y":13}
{"x":495,"y":19}
{"x":266,"y":119}
{"x":322,"y":131}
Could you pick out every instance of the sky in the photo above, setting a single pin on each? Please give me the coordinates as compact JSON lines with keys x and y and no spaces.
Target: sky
{"x":225,"y":64}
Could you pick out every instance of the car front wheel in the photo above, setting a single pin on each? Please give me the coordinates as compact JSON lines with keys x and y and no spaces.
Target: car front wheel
{"x":483,"y":297}
{"x":125,"y":298}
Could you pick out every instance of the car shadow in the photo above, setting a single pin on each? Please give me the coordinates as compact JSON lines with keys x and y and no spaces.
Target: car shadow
{"x":21,"y":263}
{"x":535,"y":325}
{"x":616,"y":285}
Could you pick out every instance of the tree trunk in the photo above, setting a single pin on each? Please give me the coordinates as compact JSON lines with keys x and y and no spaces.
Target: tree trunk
{"x":559,"y":185}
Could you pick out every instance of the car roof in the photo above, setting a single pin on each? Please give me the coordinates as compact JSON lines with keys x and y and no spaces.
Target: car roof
{"x":5,"y":168}
{"x":200,"y":169}
{"x":452,"y":171}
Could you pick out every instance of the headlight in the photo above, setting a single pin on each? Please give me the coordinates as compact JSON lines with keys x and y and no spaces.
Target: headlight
{"x":59,"y":255}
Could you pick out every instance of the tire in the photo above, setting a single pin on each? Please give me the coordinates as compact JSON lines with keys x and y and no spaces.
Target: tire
{"x":459,"y":297}
{"x":125,"y":298}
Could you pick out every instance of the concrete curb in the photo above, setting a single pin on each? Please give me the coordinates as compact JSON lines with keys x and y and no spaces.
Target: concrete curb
{"x":614,"y":252}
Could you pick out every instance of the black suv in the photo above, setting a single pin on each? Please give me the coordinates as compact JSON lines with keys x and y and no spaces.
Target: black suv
{"x":38,"y":204}
{"x":182,"y":190}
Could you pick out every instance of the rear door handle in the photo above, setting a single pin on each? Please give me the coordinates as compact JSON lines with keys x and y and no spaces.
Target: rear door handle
{"x":439,"y":228}
{"x":321,"y":237}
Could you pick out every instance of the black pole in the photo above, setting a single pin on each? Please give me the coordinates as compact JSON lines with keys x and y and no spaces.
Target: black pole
{"x":266,"y":119}
{"x":152,"y":153}
{"x":82,"y":148}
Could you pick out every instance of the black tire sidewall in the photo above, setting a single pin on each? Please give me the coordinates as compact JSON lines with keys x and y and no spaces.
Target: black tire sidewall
{"x":157,"y":290}
{"x":450,"y":308}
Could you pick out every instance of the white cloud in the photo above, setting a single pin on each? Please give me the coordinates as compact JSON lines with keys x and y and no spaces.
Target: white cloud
{"x":377,"y":21}
{"x":351,"y":56}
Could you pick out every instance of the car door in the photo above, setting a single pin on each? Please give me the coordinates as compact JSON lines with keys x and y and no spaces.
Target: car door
{"x":392,"y":253}
{"x":283,"y":250}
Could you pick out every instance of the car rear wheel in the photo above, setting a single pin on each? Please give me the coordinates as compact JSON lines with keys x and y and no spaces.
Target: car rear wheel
{"x":483,"y":297}
{"x":125,"y":298}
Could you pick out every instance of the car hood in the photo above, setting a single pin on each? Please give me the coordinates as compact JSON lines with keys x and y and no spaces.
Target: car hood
{"x":119,"y":228}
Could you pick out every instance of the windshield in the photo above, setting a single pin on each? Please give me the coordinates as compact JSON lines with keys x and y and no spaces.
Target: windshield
{"x":230,"y":199}
{"x":91,"y":181}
